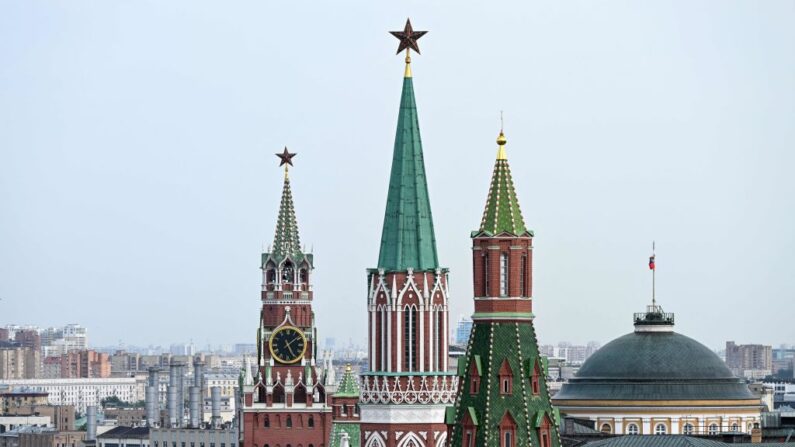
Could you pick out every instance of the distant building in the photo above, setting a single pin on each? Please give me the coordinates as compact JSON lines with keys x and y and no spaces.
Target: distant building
{"x":17,"y":362}
{"x":50,"y":368}
{"x":178,"y":437}
{"x":751,"y":361}
{"x":462,"y":330}
{"x":3,"y":334}
{"x":125,"y":437}
{"x":28,"y":338}
{"x":654,"y":381}
{"x":24,"y":402}
{"x":83,"y":392}
{"x":245,"y":348}
{"x":85,"y":364}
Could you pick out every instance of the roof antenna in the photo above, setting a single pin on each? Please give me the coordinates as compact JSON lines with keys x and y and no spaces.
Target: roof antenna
{"x":502,"y":122}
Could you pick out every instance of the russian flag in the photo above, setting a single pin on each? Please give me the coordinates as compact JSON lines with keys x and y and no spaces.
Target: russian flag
{"x":651,"y":262}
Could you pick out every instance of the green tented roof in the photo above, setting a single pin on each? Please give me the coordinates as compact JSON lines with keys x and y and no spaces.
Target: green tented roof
{"x":286,"y":241}
{"x":407,"y":238}
{"x":493,"y":343}
{"x":502,"y":213}
{"x":348,"y":386}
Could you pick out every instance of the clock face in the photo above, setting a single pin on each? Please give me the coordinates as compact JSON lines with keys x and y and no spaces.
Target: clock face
{"x":287,"y":345}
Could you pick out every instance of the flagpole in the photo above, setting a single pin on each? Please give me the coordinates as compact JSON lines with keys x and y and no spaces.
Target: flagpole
{"x":653,"y":279}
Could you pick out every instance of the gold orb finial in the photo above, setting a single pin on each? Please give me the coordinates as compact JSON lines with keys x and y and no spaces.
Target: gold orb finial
{"x":348,"y":367}
{"x":501,"y":140}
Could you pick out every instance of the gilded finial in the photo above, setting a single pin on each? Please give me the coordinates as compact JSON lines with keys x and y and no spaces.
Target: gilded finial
{"x":347,"y":367}
{"x":501,"y":142}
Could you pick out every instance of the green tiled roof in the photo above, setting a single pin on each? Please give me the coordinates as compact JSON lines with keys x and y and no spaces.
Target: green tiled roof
{"x":286,"y":241}
{"x":407,"y":238}
{"x":492,"y":343}
{"x":654,"y":366}
{"x":348,"y":386}
{"x":351,"y":428}
{"x":502,"y":213}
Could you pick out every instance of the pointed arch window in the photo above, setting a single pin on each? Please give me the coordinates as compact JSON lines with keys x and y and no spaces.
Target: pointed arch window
{"x":289,"y":423}
{"x":523,"y":278}
{"x":504,"y":274}
{"x":288,"y":272}
{"x":506,"y":378}
{"x":507,"y":430}
{"x":474,"y":375}
{"x":410,"y":337}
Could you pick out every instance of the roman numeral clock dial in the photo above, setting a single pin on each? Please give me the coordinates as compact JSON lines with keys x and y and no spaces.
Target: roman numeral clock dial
{"x":287,"y":345}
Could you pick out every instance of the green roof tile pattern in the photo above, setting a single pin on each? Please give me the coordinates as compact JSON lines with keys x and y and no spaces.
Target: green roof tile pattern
{"x":348,"y":386}
{"x":407,"y":238}
{"x":490,"y":344}
{"x":286,"y":242}
{"x":502,"y":213}
{"x":351,"y":428}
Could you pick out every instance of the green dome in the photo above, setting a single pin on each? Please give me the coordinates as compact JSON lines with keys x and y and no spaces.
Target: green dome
{"x":655,"y":365}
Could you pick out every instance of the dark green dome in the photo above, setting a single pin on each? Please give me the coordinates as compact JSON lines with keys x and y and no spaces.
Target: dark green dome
{"x":654,"y":365}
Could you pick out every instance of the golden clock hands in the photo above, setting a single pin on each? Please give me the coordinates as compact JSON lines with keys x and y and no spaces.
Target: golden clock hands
{"x":289,"y":347}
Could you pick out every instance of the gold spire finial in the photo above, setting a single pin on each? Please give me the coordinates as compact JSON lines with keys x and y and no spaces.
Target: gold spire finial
{"x":501,"y":141}
{"x":348,"y":367}
{"x":407,"y":72}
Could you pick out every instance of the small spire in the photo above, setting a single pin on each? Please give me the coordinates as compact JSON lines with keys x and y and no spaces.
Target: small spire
{"x":501,"y":141}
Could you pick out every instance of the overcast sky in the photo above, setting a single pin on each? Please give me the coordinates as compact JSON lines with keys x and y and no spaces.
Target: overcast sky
{"x":138,"y":182}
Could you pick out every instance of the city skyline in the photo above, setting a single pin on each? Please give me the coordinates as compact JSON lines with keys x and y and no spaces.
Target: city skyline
{"x":141,"y":187}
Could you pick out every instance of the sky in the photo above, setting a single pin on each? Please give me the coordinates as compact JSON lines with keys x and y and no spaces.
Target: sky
{"x":138,"y":182}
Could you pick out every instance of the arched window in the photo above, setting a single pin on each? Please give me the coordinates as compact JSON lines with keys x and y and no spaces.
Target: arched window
{"x":632,"y":429}
{"x":660,"y":429}
{"x":504,"y":274}
{"x":344,"y":409}
{"x":310,"y":422}
{"x":289,"y":423}
{"x":688,"y":429}
{"x":522,"y":278}
{"x":606,"y":428}
{"x":410,"y":335}
{"x":735,"y":427}
{"x":713,"y":429}
{"x":267,"y":422}
{"x":304,"y":275}
{"x":288,"y":272}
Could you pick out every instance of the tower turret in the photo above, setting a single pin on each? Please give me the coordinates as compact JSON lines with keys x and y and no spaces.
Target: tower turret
{"x":286,"y":393}
{"x":405,"y":391}
{"x":502,"y":400}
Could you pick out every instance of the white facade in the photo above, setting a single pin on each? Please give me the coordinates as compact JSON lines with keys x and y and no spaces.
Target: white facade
{"x":177,"y":437}
{"x":669,"y":421}
{"x":83,"y":392}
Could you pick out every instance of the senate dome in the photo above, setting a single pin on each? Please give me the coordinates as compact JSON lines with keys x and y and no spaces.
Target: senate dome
{"x":656,"y":381}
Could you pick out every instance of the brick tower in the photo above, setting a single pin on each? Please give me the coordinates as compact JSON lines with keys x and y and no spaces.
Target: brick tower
{"x":285,"y":403}
{"x":406,"y":391}
{"x":503,"y":399}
